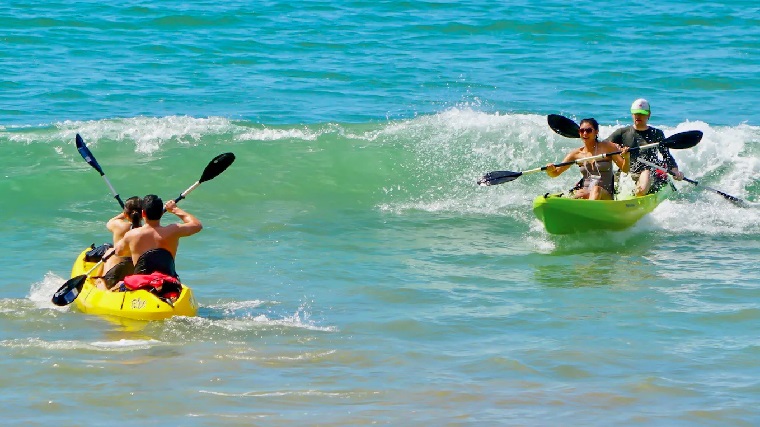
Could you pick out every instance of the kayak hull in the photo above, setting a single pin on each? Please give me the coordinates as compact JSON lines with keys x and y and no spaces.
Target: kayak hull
{"x":138,"y":305}
{"x":564,"y":215}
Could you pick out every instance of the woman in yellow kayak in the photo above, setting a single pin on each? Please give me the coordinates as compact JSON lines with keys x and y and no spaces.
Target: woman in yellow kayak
{"x":117,"y":268}
{"x":598,"y":182}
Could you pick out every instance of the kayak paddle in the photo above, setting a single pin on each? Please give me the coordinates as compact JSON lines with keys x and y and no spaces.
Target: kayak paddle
{"x":217,"y":165}
{"x":90,"y":159}
{"x":569,"y":129}
{"x":735,"y":200}
{"x":67,"y":293}
{"x":70,"y":290}
{"x":563,"y":126}
{"x":566,"y":127}
{"x":678,"y":141}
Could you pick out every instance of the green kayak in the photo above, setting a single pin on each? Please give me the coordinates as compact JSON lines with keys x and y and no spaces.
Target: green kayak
{"x":564,"y":215}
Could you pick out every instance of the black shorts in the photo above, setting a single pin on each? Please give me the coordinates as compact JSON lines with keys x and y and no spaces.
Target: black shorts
{"x":118,"y":272}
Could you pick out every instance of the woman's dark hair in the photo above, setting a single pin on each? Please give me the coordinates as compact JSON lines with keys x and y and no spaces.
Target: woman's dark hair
{"x":592,"y":121}
{"x":594,"y":124}
{"x":133,"y":210}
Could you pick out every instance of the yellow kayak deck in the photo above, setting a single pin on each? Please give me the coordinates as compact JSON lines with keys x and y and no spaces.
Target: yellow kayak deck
{"x":139,"y":304}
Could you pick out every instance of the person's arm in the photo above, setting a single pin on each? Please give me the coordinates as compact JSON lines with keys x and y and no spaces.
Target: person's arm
{"x":121,"y":248}
{"x":670,"y":163}
{"x":190,"y":224}
{"x":113,"y":224}
{"x":622,"y":160}
{"x":555,"y":171}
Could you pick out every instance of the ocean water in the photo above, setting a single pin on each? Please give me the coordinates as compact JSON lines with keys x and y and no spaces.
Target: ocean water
{"x":350,"y":271}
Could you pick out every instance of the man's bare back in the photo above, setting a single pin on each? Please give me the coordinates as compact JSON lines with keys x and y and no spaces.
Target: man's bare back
{"x":153,"y":235}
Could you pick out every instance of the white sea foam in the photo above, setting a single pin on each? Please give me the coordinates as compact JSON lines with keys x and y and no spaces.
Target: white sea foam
{"x":268,"y":134}
{"x":117,"y":345}
{"x":40,"y":293}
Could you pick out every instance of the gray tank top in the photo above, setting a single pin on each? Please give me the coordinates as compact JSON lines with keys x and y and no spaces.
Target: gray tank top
{"x":599,"y":171}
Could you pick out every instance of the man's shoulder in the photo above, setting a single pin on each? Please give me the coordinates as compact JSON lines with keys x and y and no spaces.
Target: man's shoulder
{"x":622,"y":135}
{"x":169,"y":231}
{"x":138,"y":232}
{"x":653,"y":134}
{"x":618,"y":133}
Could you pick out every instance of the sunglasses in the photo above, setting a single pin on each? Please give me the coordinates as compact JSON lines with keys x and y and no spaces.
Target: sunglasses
{"x":585,"y":130}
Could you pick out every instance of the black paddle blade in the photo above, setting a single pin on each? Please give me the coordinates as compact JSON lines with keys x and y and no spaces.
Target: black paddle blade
{"x":67,"y":293}
{"x":498,"y":177}
{"x":218,"y":165}
{"x":563,"y":126}
{"x":683,"y":140}
{"x":87,"y":155}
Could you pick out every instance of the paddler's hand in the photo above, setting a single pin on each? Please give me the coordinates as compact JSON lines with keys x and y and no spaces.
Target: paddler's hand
{"x":109,"y":253}
{"x":171,"y":206}
{"x":677,"y":174}
{"x":551,"y":170}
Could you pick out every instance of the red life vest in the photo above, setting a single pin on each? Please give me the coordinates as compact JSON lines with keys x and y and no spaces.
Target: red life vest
{"x":149,"y":281}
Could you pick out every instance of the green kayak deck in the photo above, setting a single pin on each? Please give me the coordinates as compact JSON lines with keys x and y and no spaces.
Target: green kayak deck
{"x":565,"y":215}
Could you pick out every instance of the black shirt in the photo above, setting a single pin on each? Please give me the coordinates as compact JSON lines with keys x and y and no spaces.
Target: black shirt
{"x":630,"y":137}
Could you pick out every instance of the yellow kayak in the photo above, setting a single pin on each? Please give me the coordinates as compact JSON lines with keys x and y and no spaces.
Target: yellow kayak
{"x":139,"y":304}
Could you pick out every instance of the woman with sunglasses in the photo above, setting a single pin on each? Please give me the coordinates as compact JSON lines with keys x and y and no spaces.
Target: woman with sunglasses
{"x":598,"y":182}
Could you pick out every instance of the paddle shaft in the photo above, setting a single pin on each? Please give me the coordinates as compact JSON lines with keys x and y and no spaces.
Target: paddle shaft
{"x":597,"y":157}
{"x":87,"y":274}
{"x":500,"y":177}
{"x":726,"y":196}
{"x":113,"y":191}
{"x":678,"y":141}
{"x":90,"y":159}
{"x":102,"y":260}
{"x":188,"y":191}
{"x":216,"y":166}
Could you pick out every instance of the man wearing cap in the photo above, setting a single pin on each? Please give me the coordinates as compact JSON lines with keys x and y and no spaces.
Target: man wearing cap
{"x":640,"y":133}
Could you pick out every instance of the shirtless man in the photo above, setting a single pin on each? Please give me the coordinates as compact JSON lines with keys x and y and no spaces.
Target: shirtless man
{"x":153,"y":246}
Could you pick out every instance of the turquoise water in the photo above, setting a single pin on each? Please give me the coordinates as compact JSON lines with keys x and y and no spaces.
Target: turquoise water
{"x":350,"y":271}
